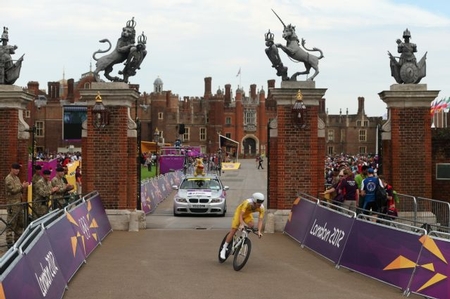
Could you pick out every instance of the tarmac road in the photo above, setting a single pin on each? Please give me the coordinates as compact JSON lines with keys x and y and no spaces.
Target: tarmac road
{"x":177,"y":257}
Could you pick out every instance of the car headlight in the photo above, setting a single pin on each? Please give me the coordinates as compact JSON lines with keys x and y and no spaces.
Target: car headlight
{"x":180,"y":199}
{"x":216,"y":200}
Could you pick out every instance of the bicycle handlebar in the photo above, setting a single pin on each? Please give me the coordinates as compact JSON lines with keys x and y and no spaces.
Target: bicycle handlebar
{"x":253,"y":230}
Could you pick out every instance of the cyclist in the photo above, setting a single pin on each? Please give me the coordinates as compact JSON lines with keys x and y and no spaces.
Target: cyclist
{"x":243,"y":216}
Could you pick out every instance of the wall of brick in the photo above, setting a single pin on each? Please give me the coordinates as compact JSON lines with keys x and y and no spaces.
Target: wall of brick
{"x":440,"y":154}
{"x":409,"y":151}
{"x":14,"y":140}
{"x":297,"y":155}
{"x":109,"y":154}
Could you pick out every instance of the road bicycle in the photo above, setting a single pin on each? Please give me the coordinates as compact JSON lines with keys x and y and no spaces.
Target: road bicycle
{"x":240,"y":248}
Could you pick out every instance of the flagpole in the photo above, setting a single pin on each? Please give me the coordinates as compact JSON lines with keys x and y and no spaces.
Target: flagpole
{"x":239,"y":74}
{"x":240,"y":77}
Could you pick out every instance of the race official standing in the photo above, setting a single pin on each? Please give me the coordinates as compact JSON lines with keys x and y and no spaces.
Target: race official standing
{"x":43,"y":191}
{"x":63,"y":188}
{"x":15,"y":213}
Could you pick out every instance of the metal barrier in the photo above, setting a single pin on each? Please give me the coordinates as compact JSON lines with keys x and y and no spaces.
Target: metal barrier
{"x":30,"y":216}
{"x":440,"y":209}
{"x":414,"y":213}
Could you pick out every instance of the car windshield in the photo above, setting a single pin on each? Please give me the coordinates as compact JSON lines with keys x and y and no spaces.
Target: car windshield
{"x":200,"y":184}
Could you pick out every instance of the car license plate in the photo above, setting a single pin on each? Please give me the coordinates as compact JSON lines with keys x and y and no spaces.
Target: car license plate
{"x":199,"y":206}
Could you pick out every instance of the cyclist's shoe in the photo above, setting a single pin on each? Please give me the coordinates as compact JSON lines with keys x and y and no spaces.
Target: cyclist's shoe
{"x":223,"y":253}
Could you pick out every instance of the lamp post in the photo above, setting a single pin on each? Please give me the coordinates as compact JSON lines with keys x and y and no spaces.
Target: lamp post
{"x":298,"y":111}
{"x":100,"y":115}
{"x":39,"y":102}
{"x":156,"y":139}
{"x":32,"y":130}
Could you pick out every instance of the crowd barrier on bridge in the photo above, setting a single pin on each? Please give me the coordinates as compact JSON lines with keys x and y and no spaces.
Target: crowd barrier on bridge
{"x":52,"y":249}
{"x":404,"y":256}
{"x":155,"y":190}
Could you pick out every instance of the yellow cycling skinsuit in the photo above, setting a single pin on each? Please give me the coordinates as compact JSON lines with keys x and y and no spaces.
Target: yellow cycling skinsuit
{"x":248,"y":208}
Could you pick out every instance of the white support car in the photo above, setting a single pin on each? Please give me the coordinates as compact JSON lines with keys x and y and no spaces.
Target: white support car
{"x":200,"y":195}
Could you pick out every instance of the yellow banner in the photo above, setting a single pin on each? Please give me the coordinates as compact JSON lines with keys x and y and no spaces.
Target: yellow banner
{"x":230,"y":166}
{"x":71,"y":169}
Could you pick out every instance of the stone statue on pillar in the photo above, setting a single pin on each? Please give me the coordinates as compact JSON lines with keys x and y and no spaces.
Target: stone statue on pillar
{"x":126,"y":52}
{"x":9,"y":70}
{"x":406,"y":69}
{"x":294,"y":50}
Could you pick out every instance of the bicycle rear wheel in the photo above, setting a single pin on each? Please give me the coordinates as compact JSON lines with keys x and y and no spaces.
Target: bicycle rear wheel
{"x":242,"y":254}
{"x":228,"y":251}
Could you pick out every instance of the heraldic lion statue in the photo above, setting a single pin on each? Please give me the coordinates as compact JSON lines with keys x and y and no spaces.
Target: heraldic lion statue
{"x":121,"y":52}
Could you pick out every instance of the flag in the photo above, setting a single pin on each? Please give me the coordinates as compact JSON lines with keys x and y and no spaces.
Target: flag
{"x":239,"y":72}
{"x":228,"y":142}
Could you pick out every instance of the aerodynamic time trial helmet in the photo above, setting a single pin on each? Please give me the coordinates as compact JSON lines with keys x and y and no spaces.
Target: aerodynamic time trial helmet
{"x":258,"y":197}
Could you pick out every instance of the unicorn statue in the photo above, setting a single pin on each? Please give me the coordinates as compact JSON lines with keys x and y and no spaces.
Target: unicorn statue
{"x":295,"y":51}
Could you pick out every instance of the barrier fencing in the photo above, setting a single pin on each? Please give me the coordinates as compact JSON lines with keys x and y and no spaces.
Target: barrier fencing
{"x":52,"y":249}
{"x":407,"y":253}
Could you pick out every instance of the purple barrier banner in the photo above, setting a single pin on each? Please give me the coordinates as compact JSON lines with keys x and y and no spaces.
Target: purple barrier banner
{"x":67,"y":246}
{"x":170,"y":163}
{"x":16,"y":285}
{"x":433,"y":271}
{"x":381,"y":252}
{"x":97,"y":219}
{"x":85,"y":227}
{"x":147,"y":204}
{"x":299,"y":219}
{"x":157,"y":189}
{"x":36,"y":275}
{"x":328,"y":232}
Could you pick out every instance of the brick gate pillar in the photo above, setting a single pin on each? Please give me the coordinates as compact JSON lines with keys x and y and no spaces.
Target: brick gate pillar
{"x":109,"y":154}
{"x":406,"y":136}
{"x":296,"y":154}
{"x":14,"y":138}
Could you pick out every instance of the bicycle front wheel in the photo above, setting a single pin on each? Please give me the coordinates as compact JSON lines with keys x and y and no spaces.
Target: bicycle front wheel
{"x":228,"y":251}
{"x":242,"y":254}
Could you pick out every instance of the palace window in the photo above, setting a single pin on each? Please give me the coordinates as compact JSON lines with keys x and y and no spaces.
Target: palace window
{"x":186,"y":136}
{"x":202,"y":134}
{"x":330,"y":150}
{"x":362,"y":135}
{"x":250,"y":117}
{"x":330,"y":135}
{"x":39,"y":128}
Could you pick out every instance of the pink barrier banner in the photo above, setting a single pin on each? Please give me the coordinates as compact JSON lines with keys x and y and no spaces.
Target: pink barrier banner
{"x":328,"y":232}
{"x":50,"y":165}
{"x":37,"y":273}
{"x":299,"y":219}
{"x":382,"y":252}
{"x":432,"y":276}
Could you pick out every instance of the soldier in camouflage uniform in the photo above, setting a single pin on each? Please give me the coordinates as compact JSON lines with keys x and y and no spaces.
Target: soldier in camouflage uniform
{"x":15,"y":218}
{"x":36,"y":177}
{"x":63,"y":188}
{"x":41,"y":197}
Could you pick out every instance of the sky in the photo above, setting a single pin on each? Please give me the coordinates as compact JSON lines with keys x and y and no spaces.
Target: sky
{"x":188,"y":40}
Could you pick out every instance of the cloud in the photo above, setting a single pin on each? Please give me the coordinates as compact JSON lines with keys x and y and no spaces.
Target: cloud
{"x":191,"y":40}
